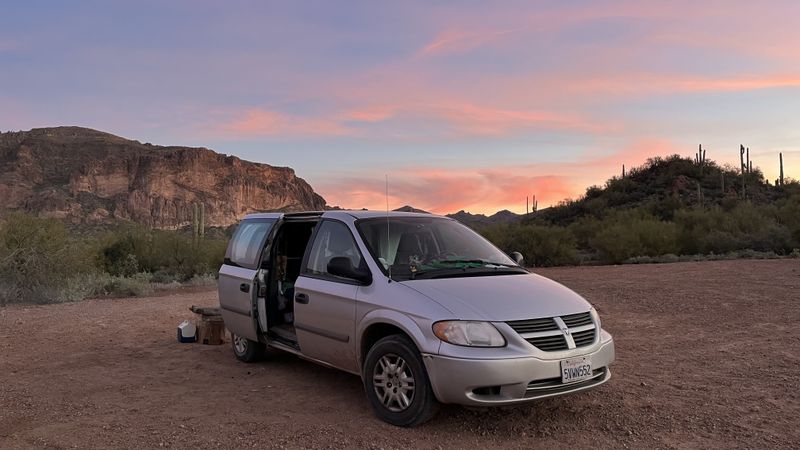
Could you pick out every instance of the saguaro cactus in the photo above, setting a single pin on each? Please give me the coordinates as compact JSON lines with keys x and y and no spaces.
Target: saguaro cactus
{"x":623,"y":171}
{"x":749,"y":162}
{"x":535,"y":204}
{"x":780,"y":156}
{"x":741,"y":159}
{"x":744,"y":170}
{"x":699,"y":193}
{"x":202,"y":221}
{"x":195,"y":218}
{"x":700,"y":157}
{"x":198,"y":221}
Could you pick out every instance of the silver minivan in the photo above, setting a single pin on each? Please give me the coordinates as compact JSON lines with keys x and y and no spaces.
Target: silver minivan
{"x":422,"y":308}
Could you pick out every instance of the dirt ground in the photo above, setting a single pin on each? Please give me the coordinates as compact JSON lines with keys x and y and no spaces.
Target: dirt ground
{"x":708,"y":355}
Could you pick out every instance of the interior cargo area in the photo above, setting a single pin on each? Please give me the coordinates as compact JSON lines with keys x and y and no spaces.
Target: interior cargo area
{"x":285,"y":260}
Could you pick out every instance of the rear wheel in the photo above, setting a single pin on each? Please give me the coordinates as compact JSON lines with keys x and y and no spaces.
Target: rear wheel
{"x":246,"y":350}
{"x":397,"y":384}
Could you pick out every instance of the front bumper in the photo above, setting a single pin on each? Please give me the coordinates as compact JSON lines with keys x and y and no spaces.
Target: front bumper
{"x":490,"y":382}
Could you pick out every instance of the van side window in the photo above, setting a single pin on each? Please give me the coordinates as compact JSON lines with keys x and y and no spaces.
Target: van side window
{"x":333,"y":239}
{"x":246,"y":244}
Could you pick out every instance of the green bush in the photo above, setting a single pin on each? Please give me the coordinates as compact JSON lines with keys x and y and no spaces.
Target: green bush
{"x":540,"y":245}
{"x":622,"y":239}
{"x":40,"y":262}
{"x":170,"y":255}
{"x":38,"y":259}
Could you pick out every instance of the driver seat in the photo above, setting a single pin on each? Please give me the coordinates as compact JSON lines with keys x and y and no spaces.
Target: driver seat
{"x":409,"y":245}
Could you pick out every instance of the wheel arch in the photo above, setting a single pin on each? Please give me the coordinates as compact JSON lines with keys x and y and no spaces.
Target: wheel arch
{"x":381,"y":323}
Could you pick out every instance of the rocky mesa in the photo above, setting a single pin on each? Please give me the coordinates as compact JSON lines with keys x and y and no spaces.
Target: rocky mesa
{"x":89,"y":177}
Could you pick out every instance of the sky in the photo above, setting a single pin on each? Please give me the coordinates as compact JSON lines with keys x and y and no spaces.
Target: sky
{"x":468,"y":105}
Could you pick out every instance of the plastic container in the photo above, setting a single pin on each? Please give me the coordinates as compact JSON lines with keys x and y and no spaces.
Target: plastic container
{"x":187,"y":332}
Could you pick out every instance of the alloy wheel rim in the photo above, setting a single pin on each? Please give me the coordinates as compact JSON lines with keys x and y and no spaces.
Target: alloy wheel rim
{"x":240,"y":344}
{"x":393,"y":382}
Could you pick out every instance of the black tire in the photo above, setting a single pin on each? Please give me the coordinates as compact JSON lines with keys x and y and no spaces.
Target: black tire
{"x":422,"y":404}
{"x":246,"y":350}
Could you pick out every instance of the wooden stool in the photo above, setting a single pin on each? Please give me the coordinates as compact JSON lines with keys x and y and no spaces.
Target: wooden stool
{"x":210,"y":326}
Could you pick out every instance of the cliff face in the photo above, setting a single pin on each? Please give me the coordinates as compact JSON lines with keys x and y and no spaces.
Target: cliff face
{"x":87,"y":176}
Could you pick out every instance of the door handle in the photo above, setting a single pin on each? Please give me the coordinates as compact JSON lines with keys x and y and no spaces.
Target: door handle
{"x":301,"y":298}
{"x":244,"y":287}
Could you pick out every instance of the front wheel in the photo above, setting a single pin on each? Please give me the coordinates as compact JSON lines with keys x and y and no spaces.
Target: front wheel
{"x":397,"y":384}
{"x":247,"y":350}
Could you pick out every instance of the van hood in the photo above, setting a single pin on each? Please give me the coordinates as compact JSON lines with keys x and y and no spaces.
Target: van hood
{"x":501,"y":298}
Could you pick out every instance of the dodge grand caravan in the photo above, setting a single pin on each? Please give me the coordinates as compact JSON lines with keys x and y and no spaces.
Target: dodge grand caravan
{"x":422,"y":308}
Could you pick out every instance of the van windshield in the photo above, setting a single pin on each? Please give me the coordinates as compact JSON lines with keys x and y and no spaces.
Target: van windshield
{"x":431,"y":247}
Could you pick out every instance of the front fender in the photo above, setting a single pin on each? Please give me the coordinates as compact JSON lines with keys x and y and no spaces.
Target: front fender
{"x":418,"y":329}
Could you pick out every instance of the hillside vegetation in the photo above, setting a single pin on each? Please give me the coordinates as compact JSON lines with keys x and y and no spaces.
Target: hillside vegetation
{"x":668,"y":207}
{"x":667,"y":210}
{"x":42,"y":261}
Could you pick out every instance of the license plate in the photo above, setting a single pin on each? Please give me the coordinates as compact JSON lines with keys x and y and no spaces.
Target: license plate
{"x":574,"y":370}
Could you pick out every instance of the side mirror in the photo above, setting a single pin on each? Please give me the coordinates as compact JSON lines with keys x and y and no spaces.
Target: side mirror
{"x":517,"y":257}
{"x":341,"y":266}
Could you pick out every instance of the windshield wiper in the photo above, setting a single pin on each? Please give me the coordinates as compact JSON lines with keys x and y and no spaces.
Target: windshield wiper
{"x":473,"y":261}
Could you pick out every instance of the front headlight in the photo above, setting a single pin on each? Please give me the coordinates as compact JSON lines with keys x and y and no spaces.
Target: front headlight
{"x":469,"y":333}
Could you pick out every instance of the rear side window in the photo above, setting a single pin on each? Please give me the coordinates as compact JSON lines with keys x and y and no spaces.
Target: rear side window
{"x":245,"y":246}
{"x":333,"y":239}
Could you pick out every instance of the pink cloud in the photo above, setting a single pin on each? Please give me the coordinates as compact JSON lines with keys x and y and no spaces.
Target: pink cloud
{"x":459,"y":41}
{"x":446,"y":191}
{"x":465,"y":118}
{"x":472,"y":119}
{"x":259,"y":122}
{"x":643,"y":84}
{"x":374,"y":113}
{"x":490,"y":189}
{"x":456,"y":118}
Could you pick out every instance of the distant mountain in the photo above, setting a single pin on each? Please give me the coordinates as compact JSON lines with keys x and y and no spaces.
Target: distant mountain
{"x":472,"y":220}
{"x":89,"y":177}
{"x":481,"y":220}
{"x":408,"y":208}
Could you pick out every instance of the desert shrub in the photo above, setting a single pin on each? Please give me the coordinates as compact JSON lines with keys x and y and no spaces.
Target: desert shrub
{"x":169,"y":255}
{"x":718,"y":241}
{"x":40,"y":262}
{"x":788,"y":214}
{"x":640,"y":260}
{"x":164,"y":277}
{"x":744,"y":226}
{"x":106,"y":285}
{"x":668,"y":258}
{"x":37,"y":259}
{"x":620,"y":240}
{"x":208,"y":279}
{"x":540,"y":245}
{"x":584,"y":230}
{"x":770,"y":238}
{"x":119,"y":257}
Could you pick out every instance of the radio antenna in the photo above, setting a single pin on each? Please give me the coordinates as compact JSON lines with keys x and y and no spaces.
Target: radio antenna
{"x":389,"y":268}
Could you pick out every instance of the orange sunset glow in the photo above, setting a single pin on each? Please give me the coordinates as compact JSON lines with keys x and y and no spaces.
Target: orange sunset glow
{"x":472,"y":107}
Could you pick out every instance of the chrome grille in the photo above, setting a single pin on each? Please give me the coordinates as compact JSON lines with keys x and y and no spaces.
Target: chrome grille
{"x":549,"y":343}
{"x":546,"y":333}
{"x":583,"y":338}
{"x":577,"y":320}
{"x":547,"y":387}
{"x":533,"y":325}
